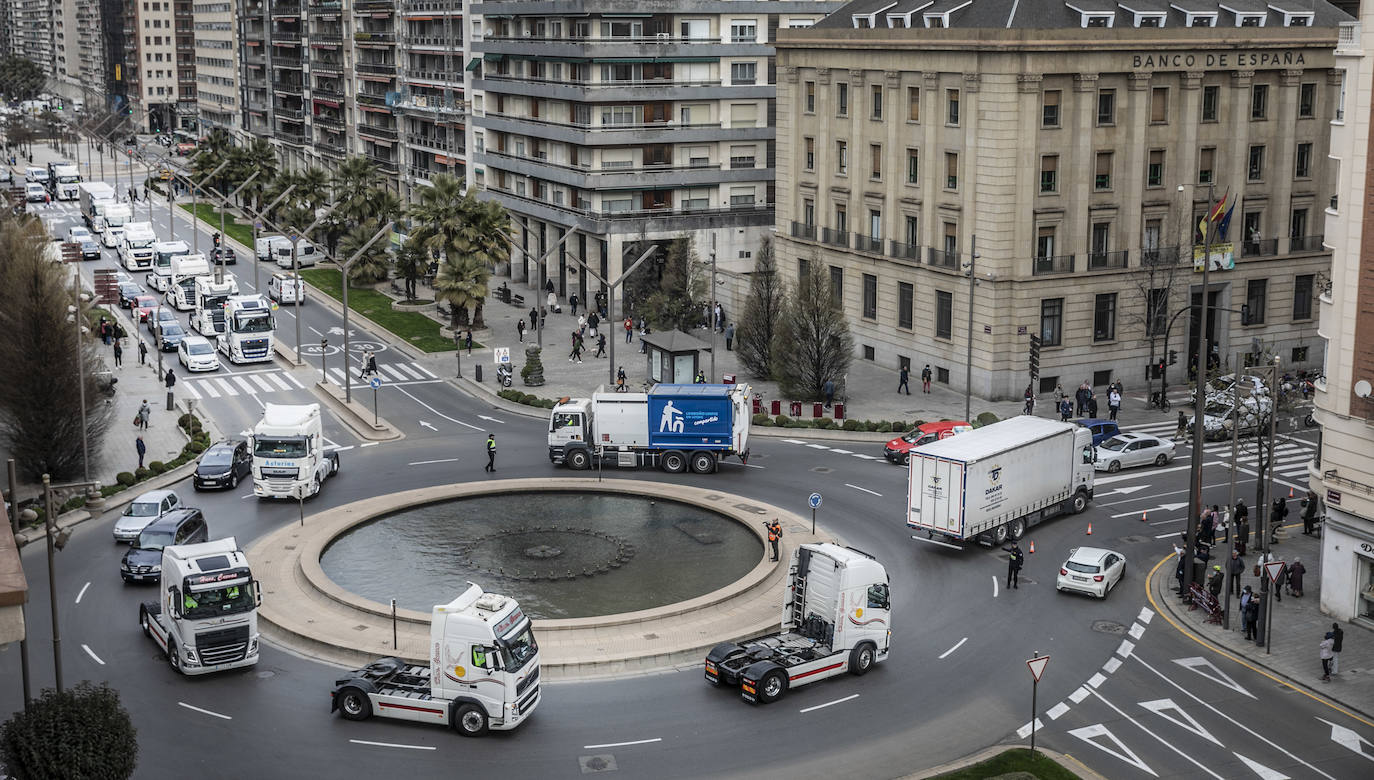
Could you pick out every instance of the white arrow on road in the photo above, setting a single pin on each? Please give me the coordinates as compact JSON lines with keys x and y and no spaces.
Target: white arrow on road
{"x":1348,"y":739}
{"x":1160,"y":508}
{"x":1264,"y":772}
{"x":1125,"y":491}
{"x":493,"y":419}
{"x":424,"y":424}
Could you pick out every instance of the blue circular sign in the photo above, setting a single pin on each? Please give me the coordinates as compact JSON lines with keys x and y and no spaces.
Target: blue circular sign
{"x":376,"y":382}
{"x":814,"y":500}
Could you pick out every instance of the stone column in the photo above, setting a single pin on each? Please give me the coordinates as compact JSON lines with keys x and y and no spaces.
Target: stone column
{"x":1279,"y":162}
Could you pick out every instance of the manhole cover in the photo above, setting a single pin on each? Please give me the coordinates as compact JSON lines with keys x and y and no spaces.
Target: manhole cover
{"x":1108,"y":627}
{"x":822,"y":470}
{"x":593,"y":764}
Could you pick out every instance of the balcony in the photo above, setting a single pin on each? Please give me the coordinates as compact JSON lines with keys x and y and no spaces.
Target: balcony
{"x":330,"y":145}
{"x":435,"y":41}
{"x":868,"y":244}
{"x":1048,"y":266}
{"x":327,"y":93}
{"x":372,"y":5}
{"x":326,"y":67}
{"x":326,"y":38}
{"x":939,"y":258}
{"x":367,"y":99}
{"x":1264,"y":247}
{"x":288,"y":88}
{"x":670,"y":219}
{"x":327,"y":5}
{"x":1305,"y":243}
{"x":376,"y":131}
{"x":328,"y":121}
{"x":1162,"y":256}
{"x":902,"y":251}
{"x":1102,"y":261}
{"x":286,"y":39}
{"x":376,"y":68}
{"x":425,"y":6}
{"x":292,"y":137}
{"x":428,"y":142}
{"x":800,"y":230}
{"x":369,"y":37}
{"x":289,"y":114}
{"x":835,"y":237}
{"x":435,"y":77}
{"x":385,"y":164}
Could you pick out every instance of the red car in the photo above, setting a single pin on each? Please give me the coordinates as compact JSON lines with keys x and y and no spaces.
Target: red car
{"x":143,"y":306}
{"x":899,"y":448}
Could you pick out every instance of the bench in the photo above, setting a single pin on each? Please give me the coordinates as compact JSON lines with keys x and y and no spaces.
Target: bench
{"x":1202,"y":599}
{"x":517,"y":301}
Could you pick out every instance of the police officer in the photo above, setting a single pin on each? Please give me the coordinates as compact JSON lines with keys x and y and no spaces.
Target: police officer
{"x":491,"y":452}
{"x":1014,"y":565}
{"x":774,"y":534}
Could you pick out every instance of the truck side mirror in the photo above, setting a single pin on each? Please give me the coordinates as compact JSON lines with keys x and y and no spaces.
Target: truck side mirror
{"x":176,"y":601}
{"x":257,"y":593}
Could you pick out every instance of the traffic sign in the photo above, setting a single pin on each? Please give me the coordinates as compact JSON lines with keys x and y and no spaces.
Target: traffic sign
{"x":814,"y":500}
{"x":376,"y":382}
{"x":1273,"y":569}
{"x":1037,"y":666}
{"x":502,"y":355}
{"x":258,"y":224}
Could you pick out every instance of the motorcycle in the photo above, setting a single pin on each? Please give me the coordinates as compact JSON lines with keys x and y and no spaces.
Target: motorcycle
{"x":503,"y":375}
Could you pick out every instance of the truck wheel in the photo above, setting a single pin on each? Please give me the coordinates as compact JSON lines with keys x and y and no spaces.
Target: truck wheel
{"x":578,"y":460}
{"x":674,"y":462}
{"x":143,"y":621}
{"x":316,"y":490}
{"x":861,"y":659}
{"x":354,"y":704}
{"x":1016,"y":528}
{"x":772,"y":686}
{"x":471,"y":721}
{"x":999,"y":535}
{"x":703,"y":463}
{"x":1079,"y":502}
{"x":173,"y":657}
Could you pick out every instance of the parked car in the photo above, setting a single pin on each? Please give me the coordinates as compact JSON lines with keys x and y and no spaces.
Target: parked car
{"x":1102,"y":429}
{"x":898,"y":450}
{"x":142,"y":511}
{"x":1132,"y":449}
{"x":1091,"y":570}
{"x":197,"y":354}
{"x":143,"y":560}
{"x":223,"y":465}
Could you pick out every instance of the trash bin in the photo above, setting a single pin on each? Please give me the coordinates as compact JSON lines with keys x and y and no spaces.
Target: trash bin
{"x":728,"y":379}
{"x":477,"y":371}
{"x":839,"y":410}
{"x":818,"y":409}
{"x":758,"y":405}
{"x":776,"y":408}
{"x":794,"y":408}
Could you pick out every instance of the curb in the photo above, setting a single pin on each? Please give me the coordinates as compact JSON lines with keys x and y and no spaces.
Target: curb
{"x":126,"y":496}
{"x":1068,"y":762}
{"x":354,"y":415}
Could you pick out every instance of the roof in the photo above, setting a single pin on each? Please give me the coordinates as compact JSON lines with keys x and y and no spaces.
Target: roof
{"x":1051,"y":14}
{"x":992,"y":440}
{"x":675,"y":341}
{"x":152,"y":495}
{"x":1090,"y":554}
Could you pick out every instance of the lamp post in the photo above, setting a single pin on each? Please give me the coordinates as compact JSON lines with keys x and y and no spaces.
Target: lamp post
{"x":14,"y":515}
{"x":610,"y":298}
{"x":1195,"y":471}
{"x":223,"y":206}
{"x":295,"y":239}
{"x":171,"y":185}
{"x":75,"y":310}
{"x":348,"y":377}
{"x":258,"y":219}
{"x":195,"y":214}
{"x":968,"y":353}
{"x":56,"y":541}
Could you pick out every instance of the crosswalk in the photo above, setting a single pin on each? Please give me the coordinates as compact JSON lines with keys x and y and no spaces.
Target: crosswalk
{"x":1290,"y":456}
{"x":276,"y":380}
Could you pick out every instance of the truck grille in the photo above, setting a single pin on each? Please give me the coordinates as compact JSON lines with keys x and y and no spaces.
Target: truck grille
{"x":253,"y":347}
{"x":222,"y":646}
{"x":530,"y":697}
{"x":527,"y":682}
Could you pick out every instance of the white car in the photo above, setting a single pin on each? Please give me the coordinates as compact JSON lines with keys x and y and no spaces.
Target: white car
{"x":1091,"y":570}
{"x":35,"y":193}
{"x":1132,"y":449}
{"x":77,"y":235}
{"x":198,"y":354}
{"x":143,"y":511}
{"x":1249,"y":384}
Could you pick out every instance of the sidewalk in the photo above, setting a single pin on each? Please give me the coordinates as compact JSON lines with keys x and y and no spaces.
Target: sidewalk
{"x":1298,"y":625}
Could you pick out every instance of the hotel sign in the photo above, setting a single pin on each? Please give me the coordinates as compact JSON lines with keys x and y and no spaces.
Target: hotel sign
{"x":1218,"y":60}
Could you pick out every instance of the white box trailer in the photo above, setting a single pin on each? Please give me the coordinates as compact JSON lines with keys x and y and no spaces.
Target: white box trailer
{"x":996,"y":481}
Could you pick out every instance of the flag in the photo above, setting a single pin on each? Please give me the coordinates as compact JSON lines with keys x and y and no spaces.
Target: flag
{"x":1219,"y":207}
{"x":1225,"y":222}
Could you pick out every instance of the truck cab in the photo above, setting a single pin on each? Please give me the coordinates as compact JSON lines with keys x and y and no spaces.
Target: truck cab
{"x":289,"y":458}
{"x":181,"y":289}
{"x":136,"y":250}
{"x":64,"y":179}
{"x":160,"y":278}
{"x":483,"y":672}
{"x":248,"y":329}
{"x":208,"y":318}
{"x":117,"y":215}
{"x":205,"y":617}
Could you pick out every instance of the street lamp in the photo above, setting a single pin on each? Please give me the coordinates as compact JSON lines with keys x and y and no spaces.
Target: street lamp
{"x":348,"y":377}
{"x":1195,"y":471}
{"x":968,"y":349}
{"x":195,"y":214}
{"x":75,"y":311}
{"x":224,"y":206}
{"x":56,"y":541}
{"x":610,"y":299}
{"x":295,"y":239}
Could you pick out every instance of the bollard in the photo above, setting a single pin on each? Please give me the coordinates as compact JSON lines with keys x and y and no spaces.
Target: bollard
{"x":171,"y":402}
{"x":477,"y":371}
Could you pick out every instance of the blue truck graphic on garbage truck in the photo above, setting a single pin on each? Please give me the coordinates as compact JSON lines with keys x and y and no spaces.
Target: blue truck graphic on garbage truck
{"x":673,"y":427}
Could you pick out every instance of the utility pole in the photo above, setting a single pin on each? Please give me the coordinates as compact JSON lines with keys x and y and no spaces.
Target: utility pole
{"x":1231,"y":502}
{"x":968,"y":349}
{"x":348,"y":377}
{"x":1268,"y":492}
{"x":710,"y":315}
{"x":1199,"y":400}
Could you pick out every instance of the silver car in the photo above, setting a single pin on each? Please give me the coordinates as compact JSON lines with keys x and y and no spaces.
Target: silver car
{"x":142,"y":511}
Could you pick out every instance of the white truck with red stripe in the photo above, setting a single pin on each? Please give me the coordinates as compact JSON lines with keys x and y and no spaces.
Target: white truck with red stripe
{"x":837,"y":619}
{"x":483,"y":671}
{"x":206,"y":616}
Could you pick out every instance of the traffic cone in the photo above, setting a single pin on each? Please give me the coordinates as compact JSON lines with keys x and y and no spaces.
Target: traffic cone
{"x":1290,"y":492}
{"x":1143,"y":515}
{"x":1032,"y":546}
{"x":1090,"y":529}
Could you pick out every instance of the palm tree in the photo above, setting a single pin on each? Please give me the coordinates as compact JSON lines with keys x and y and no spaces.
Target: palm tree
{"x":462,"y":283}
{"x":374,"y":264}
{"x":483,"y":240}
{"x":355,"y":176}
{"x":260,"y":156}
{"x":411,"y":262}
{"x":312,"y":187}
{"x":275,"y":189}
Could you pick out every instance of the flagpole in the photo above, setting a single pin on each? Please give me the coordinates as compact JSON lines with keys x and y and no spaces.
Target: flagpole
{"x":1200,"y":380}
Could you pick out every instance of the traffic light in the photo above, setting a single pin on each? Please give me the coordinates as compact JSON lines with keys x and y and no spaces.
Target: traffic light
{"x":1035,"y":355}
{"x":1173,"y":356}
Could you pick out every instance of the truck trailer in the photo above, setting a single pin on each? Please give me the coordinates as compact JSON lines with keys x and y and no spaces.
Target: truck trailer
{"x":93,"y":195}
{"x":837,"y":619}
{"x":483,"y":671}
{"x":205,"y":618}
{"x":996,"y":481}
{"x":289,"y":458}
{"x":674,"y":427}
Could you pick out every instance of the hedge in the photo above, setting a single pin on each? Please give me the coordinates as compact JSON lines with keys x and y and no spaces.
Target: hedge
{"x":526,"y":399}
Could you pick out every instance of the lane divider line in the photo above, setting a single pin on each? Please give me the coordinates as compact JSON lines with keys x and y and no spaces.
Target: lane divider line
{"x":957,"y":645}
{"x":865,"y":490}
{"x":829,"y":703}
{"x":204,"y":712}
{"x":389,"y":744}
{"x":92,"y":654}
{"x":623,"y":744}
{"x":82,"y":593}
{"x":427,"y":462}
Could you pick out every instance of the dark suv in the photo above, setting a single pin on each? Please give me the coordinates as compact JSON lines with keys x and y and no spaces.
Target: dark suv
{"x":223,"y":465}
{"x":143,"y":561}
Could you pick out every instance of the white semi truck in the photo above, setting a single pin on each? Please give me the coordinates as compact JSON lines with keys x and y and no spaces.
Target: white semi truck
{"x":136,"y":250}
{"x":181,"y":287}
{"x":116,"y":215}
{"x":208,"y":318}
{"x":65,"y":180}
{"x":248,"y":329}
{"x":996,"y":481}
{"x":289,"y":458}
{"x":93,"y":196}
{"x":837,"y":618}
{"x":160,"y":278}
{"x":205,"y":617}
{"x":483,"y":671}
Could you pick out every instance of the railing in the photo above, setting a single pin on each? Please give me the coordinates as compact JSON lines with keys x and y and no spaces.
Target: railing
{"x":1159,"y":256}
{"x":289,"y":88}
{"x":327,"y":93}
{"x":942,"y":259}
{"x":333,"y":146}
{"x":377,"y":131}
{"x":286,"y":39}
{"x":758,"y":208}
{"x":454,"y":40}
{"x":1305,"y":243}
{"x":588,"y":83}
{"x":326,"y":120}
{"x":800,"y":230}
{"x":326,"y":4}
{"x":1261,"y":248}
{"x":868,"y":244}
{"x":288,"y":113}
{"x":1098,"y":261}
{"x":1057,"y":264}
{"x":670,"y":124}
{"x":428,"y":141}
{"x":367,"y":36}
{"x":835,"y":237}
{"x":387,"y":164}
{"x":903,"y":251}
{"x":1345,"y":482}
{"x":432,"y":5}
{"x":326,"y":67}
{"x":437,"y":76}
{"x":330,"y":37}
{"x":376,"y":68}
{"x":373,"y":5}
{"x":371,"y":100}
{"x":286,"y":8}
{"x":298,"y":139}
{"x":663,"y":38}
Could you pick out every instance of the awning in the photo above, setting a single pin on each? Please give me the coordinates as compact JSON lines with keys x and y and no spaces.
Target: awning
{"x":628,"y":16}
{"x":493,"y":57}
{"x":473,"y":63}
{"x":576,"y":60}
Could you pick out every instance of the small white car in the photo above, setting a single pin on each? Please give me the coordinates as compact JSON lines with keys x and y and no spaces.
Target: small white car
{"x":198,"y":354}
{"x":142,"y":511}
{"x":35,"y":193}
{"x":284,"y":287}
{"x":1091,"y":570}
{"x":77,"y":235}
{"x":1132,"y":449}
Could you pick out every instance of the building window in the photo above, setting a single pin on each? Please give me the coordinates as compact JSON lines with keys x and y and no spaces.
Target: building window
{"x":951,"y":240}
{"x":1104,"y":317}
{"x":841,"y":218}
{"x":876,"y":98}
{"x":1159,"y":105}
{"x":809,"y":213}
{"x":837,"y":287}
{"x":875,"y":225}
{"x":743,"y":31}
{"x":743,"y":72}
{"x":1252,"y":225}
{"x":870,"y":297}
{"x":1049,"y":173}
{"x":1210,"y":95}
{"x":1302,"y":167}
{"x":1103,"y":178}
{"x":951,"y":170}
{"x":913,"y":166}
{"x":913,"y":233}
{"x":810,"y":145}
{"x":1259,"y":101}
{"x":810,"y":97}
{"x":1299,"y":355}
{"x":869,"y":352}
{"x":1101,"y":241}
{"x":875,"y":162}
{"x":905,"y":296}
{"x":1051,"y":322}
{"x":913,"y":104}
{"x":1154,"y":172}
{"x":1206,"y":159}
{"x":944,"y":314}
{"x":842,"y":157}
{"x":1106,"y":106}
{"x":842,"y":99}
{"x":1297,"y":224}
{"x":952,"y":107}
{"x":1254,"y":301}
{"x":1044,"y":242}
{"x":1049,"y":109}
{"x":1307,"y":101}
{"x":1255,"y":170}
{"x":1302,"y":297}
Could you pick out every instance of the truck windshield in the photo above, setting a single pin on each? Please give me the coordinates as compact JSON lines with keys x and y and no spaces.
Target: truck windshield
{"x":164,"y":259}
{"x":253,"y":322}
{"x":69,"y":179}
{"x":137,"y":244}
{"x":153,"y":540}
{"x":213,"y":301}
{"x":518,"y":649}
{"x":280,"y":447}
{"x":202,"y":604}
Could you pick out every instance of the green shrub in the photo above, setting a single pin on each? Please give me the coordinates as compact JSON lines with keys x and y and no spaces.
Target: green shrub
{"x":125,"y":478}
{"x":825,"y":423}
{"x":899,"y":427}
{"x":870,"y":425}
{"x":782,"y":420}
{"x":884,"y":427}
{"x":75,"y":502}
{"x":110,"y":490}
{"x":157,"y":467}
{"x":141,"y":473}
{"x":917,"y":424}
{"x":184,"y":421}
{"x":853,"y":425}
{"x":197,"y":447}
{"x":986,"y":418}
{"x":762,"y":419}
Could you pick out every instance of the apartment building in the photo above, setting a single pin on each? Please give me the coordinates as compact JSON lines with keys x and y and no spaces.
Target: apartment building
{"x":216,"y":66}
{"x":160,"y":66}
{"x":31,"y":32}
{"x":91,"y":63}
{"x":627,"y":125}
{"x":1343,"y":475}
{"x":1066,"y":153}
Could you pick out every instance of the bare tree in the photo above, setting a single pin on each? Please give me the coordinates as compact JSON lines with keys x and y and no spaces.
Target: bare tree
{"x":1153,"y":283}
{"x":758,"y":325}
{"x":813,"y":344}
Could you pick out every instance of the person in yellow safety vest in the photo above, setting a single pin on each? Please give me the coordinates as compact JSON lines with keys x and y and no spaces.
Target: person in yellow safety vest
{"x":774,"y":534}
{"x":479,"y":657}
{"x":491,"y":452}
{"x":188,"y":602}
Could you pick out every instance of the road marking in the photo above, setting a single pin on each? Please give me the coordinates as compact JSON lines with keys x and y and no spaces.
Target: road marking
{"x":1136,"y":631}
{"x":623,"y":744}
{"x":1158,"y":738}
{"x":260,"y":382}
{"x":1111,"y":665}
{"x":390,"y":744}
{"x":427,"y":462}
{"x":794,"y":441}
{"x":245,"y":495}
{"x":1089,"y":733}
{"x":1145,"y":615}
{"x":492,"y":419}
{"x":369,"y":444}
{"x":1215,"y":675}
{"x":838,"y":451}
{"x":207,"y":387}
{"x":1264,"y":772}
{"x":961,"y":642}
{"x":436,"y":411}
{"x":243,"y":383}
{"x":92,"y":654}
{"x":818,"y":446}
{"x":1158,"y":706}
{"x":191,"y":388}
{"x":866,"y":457}
{"x":410,"y":373}
{"x":387,"y":369}
{"x":1121,"y":477}
{"x":1348,"y":738}
{"x":829,"y":703}
{"x":866,"y":490}
{"x":1096,"y":680}
{"x":752,"y":466}
{"x":424,"y":424}
{"x":1025,"y":730}
{"x":204,"y":712}
{"x":1124,"y":649}
{"x":942,"y":544}
{"x":994,"y":583}
{"x":343,"y":449}
{"x":82,"y":593}
{"x":1079,"y":695}
{"x":1057,"y":710}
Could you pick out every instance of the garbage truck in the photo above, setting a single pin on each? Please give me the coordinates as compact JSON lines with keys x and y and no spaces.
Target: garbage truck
{"x":483,"y":671}
{"x":837,"y":618}
{"x":289,"y":456}
{"x":205,"y":617}
{"x":673,"y":427}
{"x":994,"y":482}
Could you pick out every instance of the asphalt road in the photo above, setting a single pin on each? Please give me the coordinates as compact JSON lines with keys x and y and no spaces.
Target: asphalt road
{"x":1125,"y":693}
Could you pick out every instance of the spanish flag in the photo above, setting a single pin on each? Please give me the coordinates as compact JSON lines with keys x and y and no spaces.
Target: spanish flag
{"x":1213,"y":215}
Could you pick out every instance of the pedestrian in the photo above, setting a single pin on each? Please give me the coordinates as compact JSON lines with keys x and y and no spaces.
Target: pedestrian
{"x":146,"y":196}
{"x":1082,"y":395}
{"x":104,"y":330}
{"x":1337,"y":638}
{"x":520,"y":329}
{"x":551,"y":303}
{"x":1215,"y":581}
{"x":925,"y":379}
{"x":1310,"y":505}
{"x":548,"y":286}
{"x":729,"y":336}
{"x":1092,"y":405}
{"x":1058,"y":395}
{"x":720,"y":317}
{"x":572,"y":353}
{"x":467,"y":341}
{"x":620,"y":380}
{"x":774,"y":534}
{"x":1249,"y":612}
{"x":543,"y":316}
{"x":1206,"y":526}
{"x":1065,"y":410}
{"x":369,"y":364}
{"x":581,"y":325}
{"x":1182,"y":430}
{"x":829,"y":389}
{"x":144,"y":413}
{"x":1295,"y":572}
{"x":1114,"y":402}
{"x":1277,"y":515}
{"x":1014,"y":565}
{"x":118,"y":355}
{"x":601,"y":345}
{"x":593,"y":321}
{"x":1029,"y":399}
{"x":629,"y":330}
{"x":1242,"y":516}
{"x":1224,"y":525}
{"x":491,"y":452}
{"x":700,"y":378}
{"x":534,"y":318}
{"x":1326,"y":653}
{"x":572,"y":302}
{"x":1236,"y":569}
{"x":142,"y":450}
{"x":170,"y":379}
{"x":142,"y":351}
{"x":902,"y":376}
